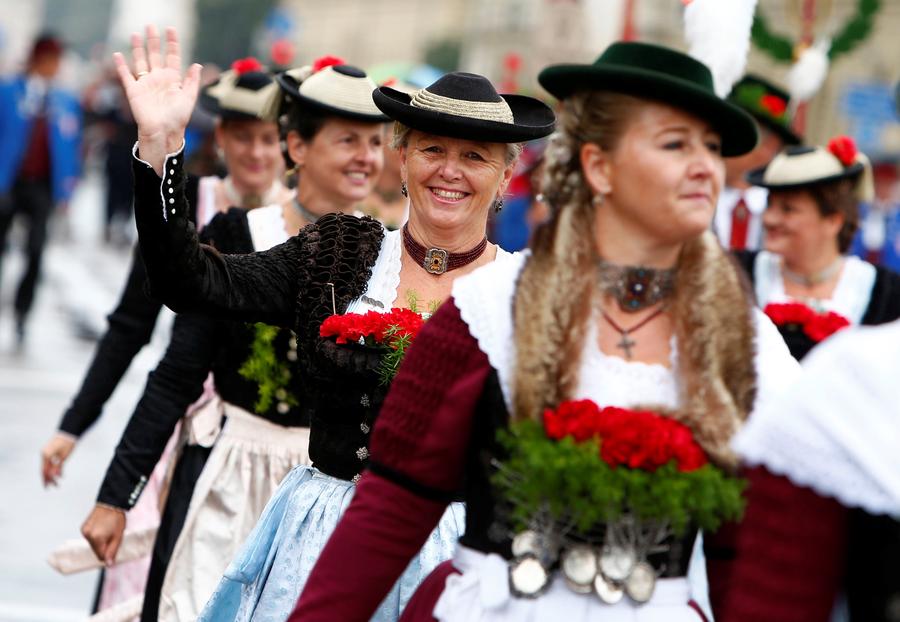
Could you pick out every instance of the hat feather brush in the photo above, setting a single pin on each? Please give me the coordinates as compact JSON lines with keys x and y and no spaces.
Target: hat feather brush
{"x":718,"y":33}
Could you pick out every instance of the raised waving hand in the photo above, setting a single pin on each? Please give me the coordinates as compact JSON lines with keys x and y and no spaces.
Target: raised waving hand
{"x":160,"y":95}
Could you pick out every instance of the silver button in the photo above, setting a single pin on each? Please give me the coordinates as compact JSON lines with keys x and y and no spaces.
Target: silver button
{"x":169,"y":181}
{"x":283,"y":408}
{"x":364,"y":428}
{"x":291,"y":355}
{"x":171,"y":190}
{"x":362,"y":453}
{"x":171,"y":200}
{"x":172,"y":211}
{"x":174,"y":160}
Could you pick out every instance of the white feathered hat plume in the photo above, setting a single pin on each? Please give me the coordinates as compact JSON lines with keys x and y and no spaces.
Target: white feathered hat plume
{"x":809,"y":72}
{"x":718,"y":32}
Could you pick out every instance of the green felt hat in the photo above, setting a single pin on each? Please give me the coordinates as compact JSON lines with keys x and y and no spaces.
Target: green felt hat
{"x":661,"y":74}
{"x":767,"y":103}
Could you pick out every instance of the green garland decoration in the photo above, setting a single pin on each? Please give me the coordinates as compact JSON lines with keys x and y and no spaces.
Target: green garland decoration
{"x":271,"y":373}
{"x":853,"y":33}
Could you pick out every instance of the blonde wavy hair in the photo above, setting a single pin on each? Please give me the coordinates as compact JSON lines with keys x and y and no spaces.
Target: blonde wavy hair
{"x":555,"y":290}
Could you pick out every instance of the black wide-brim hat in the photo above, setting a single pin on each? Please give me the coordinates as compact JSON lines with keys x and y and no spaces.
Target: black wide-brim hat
{"x":340,"y":90}
{"x":661,"y":74}
{"x":801,"y":167}
{"x":241,"y":96}
{"x":466,"y":105}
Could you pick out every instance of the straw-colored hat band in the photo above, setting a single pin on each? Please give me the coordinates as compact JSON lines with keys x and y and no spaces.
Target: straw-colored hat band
{"x":249,"y":102}
{"x":816,"y":164}
{"x":338,"y":90}
{"x":499,"y":112}
{"x":796,"y":167}
{"x":230,"y":97}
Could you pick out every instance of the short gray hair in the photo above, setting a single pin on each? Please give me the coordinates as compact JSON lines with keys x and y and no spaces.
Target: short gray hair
{"x":401,"y":134}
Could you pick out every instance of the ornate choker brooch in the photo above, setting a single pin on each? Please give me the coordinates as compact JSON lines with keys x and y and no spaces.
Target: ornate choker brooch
{"x":635,"y":287}
{"x":438,"y":260}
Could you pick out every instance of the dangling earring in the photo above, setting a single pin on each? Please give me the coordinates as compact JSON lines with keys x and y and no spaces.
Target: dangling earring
{"x":598,"y":199}
{"x":289,"y":174}
{"x":403,"y":189}
{"x":498,"y":205}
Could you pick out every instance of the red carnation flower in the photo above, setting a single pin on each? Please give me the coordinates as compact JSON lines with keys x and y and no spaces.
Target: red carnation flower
{"x":789,"y":313}
{"x":633,"y":439}
{"x":823,"y":325}
{"x":774,"y":105}
{"x":326,"y":61}
{"x":246,"y":65}
{"x":844,"y":149}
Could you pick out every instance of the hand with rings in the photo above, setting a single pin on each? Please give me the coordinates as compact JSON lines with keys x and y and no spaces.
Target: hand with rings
{"x":161,"y":96}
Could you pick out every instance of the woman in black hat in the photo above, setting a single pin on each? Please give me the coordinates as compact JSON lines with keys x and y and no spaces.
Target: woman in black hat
{"x":804,"y":279}
{"x":626,"y":300}
{"x":458,"y":152}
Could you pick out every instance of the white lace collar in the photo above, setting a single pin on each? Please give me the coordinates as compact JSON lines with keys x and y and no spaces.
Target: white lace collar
{"x":837,"y":430}
{"x":851,"y":295}
{"x":381,"y":291}
{"x":266,"y":226}
{"x":485,"y":297}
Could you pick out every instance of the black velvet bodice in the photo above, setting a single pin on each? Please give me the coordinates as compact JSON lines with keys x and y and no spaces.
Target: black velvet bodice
{"x":873,"y":567}
{"x":488,"y":527}
{"x":340,"y":388}
{"x":230,"y":233}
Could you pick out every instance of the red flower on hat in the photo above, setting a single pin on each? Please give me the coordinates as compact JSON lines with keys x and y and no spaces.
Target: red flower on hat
{"x":246,"y":65}
{"x":327,"y":61}
{"x":843,"y":148}
{"x":774,"y":105}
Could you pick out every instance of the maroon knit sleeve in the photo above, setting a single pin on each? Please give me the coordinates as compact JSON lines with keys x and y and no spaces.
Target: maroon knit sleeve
{"x":791,"y":551}
{"x":423,"y":430}
{"x":418,"y":449}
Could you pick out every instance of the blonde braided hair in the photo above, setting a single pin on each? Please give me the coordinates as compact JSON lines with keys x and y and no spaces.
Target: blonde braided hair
{"x":556,"y":288}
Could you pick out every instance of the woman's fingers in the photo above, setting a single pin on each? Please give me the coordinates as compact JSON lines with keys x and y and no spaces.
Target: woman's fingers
{"x":112,"y":548}
{"x":124,"y":71}
{"x":173,"y":52}
{"x":154,"y":56}
{"x":138,"y":54}
{"x":191,"y":82}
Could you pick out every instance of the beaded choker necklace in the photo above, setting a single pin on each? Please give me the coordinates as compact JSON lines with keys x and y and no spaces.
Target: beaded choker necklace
{"x":307,"y":215}
{"x":813,"y":279}
{"x":636,"y":287}
{"x":438,"y":260}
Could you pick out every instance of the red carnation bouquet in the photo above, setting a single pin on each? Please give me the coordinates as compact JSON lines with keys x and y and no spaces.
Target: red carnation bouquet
{"x":393,"y":331}
{"x":586,"y":467}
{"x":596,"y":491}
{"x":817,"y":325}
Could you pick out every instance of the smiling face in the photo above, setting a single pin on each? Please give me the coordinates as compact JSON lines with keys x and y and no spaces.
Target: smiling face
{"x":662,"y":178}
{"x":795,"y":227}
{"x":453,"y":182}
{"x":252,"y":153}
{"x":341,"y":163}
